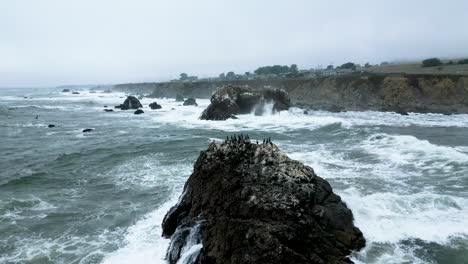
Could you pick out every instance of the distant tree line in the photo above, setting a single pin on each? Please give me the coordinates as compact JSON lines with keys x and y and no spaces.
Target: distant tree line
{"x":277,"y":69}
{"x":347,"y":66}
{"x":433,"y":62}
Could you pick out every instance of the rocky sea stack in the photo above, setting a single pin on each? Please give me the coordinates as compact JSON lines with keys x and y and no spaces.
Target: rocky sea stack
{"x":250,"y":203}
{"x":130,"y":103}
{"x":233,"y":100}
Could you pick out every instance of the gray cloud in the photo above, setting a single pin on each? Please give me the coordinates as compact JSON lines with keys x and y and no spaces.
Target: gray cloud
{"x":53,"y":42}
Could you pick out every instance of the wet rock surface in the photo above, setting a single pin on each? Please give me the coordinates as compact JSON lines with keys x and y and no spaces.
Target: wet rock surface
{"x":155,"y":105}
{"x":250,"y":203}
{"x":233,"y":100}
{"x":190,"y":101}
{"x":130,"y":103}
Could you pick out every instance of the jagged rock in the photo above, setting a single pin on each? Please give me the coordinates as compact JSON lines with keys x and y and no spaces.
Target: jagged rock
{"x":155,"y":105}
{"x":130,"y":103}
{"x":233,"y":100}
{"x":306,"y":112}
{"x":179,"y":98}
{"x":221,"y":109}
{"x":87,"y":130}
{"x":250,"y":203}
{"x":138,"y":112}
{"x":190,"y":101}
{"x":65,"y":90}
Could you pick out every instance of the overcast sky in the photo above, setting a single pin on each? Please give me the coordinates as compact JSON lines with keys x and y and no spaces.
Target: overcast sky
{"x":52,"y":42}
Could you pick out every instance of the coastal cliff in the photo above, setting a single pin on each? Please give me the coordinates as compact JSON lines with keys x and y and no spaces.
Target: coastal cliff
{"x":447,"y":94}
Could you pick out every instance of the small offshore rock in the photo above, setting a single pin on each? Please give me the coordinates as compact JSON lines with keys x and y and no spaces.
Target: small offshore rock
{"x":155,"y":105}
{"x":130,"y":103}
{"x":190,"y":101}
{"x":75,"y":93}
{"x":51,"y":126}
{"x":65,"y":90}
{"x":109,"y":110}
{"x":87,"y":130}
{"x":138,"y":112}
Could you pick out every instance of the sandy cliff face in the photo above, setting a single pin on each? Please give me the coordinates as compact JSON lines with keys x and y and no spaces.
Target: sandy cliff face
{"x":411,"y":93}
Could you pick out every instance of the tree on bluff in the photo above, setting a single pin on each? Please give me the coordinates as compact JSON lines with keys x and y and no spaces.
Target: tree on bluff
{"x":275,"y":69}
{"x":183,"y":76}
{"x":347,"y":66}
{"x":432,"y":62}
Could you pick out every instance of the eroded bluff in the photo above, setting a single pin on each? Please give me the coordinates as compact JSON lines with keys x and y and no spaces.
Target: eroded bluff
{"x":249,"y":203}
{"x":233,"y":100}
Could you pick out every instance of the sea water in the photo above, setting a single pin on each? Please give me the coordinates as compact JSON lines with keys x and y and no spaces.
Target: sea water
{"x":100,"y":197}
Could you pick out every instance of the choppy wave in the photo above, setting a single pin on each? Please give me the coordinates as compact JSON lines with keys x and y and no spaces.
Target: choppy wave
{"x":143,"y":242}
{"x":407,"y":193}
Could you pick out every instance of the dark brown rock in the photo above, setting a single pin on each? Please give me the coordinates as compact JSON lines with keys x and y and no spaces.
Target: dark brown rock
{"x":250,"y":203}
{"x":190,"y":101}
{"x":233,"y":100}
{"x":155,"y":105}
{"x":130,"y":103}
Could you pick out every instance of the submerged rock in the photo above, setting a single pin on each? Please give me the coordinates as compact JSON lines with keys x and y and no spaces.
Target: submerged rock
{"x":51,"y":126}
{"x":179,"y":98}
{"x":75,"y":93}
{"x":138,"y":112}
{"x":130,"y":103}
{"x":250,"y":203}
{"x":190,"y":101}
{"x":109,"y":110}
{"x":233,"y":100}
{"x":65,"y":90}
{"x":155,"y":105}
{"x":87,"y":130}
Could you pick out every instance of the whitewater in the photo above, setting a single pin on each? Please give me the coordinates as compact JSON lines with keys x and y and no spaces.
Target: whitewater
{"x":100,"y":197}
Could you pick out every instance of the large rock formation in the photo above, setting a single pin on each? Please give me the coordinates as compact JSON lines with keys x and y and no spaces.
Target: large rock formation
{"x":250,"y":203}
{"x":130,"y":103}
{"x":232,"y":100}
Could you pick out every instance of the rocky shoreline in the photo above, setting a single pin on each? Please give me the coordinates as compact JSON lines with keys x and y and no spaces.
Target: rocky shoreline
{"x":247,"y":202}
{"x":446,"y":94}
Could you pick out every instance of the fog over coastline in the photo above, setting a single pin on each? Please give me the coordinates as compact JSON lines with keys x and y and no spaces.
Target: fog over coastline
{"x":63,"y":42}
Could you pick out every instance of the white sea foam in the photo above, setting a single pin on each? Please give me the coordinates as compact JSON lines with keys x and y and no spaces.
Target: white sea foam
{"x":143,"y":241}
{"x":147,"y":172}
{"x":390,"y":217}
{"x":404,"y":149}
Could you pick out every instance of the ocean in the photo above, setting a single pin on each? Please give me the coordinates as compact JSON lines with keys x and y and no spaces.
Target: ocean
{"x":100,"y":197}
